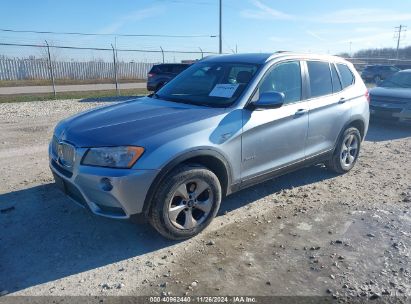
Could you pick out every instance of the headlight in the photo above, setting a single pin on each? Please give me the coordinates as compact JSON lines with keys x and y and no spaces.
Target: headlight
{"x":113,"y":157}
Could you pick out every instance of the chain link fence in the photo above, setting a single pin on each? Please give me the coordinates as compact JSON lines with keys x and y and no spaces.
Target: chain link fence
{"x":98,"y":68}
{"x":57,"y":67}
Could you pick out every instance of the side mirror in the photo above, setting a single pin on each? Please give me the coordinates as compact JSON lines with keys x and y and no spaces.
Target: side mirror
{"x":270,"y":100}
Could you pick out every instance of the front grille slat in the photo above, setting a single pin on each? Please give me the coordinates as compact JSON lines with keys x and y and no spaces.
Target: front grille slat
{"x":386,"y":110}
{"x":390,"y":100}
{"x":66,"y":154}
{"x":60,"y":169}
{"x":54,"y":146}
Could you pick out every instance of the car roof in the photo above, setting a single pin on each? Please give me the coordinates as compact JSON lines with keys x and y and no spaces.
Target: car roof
{"x":246,"y":58}
{"x":261,"y":58}
{"x":379,"y":65}
{"x":171,"y":64}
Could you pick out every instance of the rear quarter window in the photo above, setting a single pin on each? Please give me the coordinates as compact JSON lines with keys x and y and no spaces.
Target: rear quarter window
{"x":336,"y":79}
{"x":320,"y":78}
{"x":155,"y":69}
{"x":347,"y":77}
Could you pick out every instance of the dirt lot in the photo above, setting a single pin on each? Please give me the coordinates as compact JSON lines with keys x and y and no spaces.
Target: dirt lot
{"x":307,"y":233}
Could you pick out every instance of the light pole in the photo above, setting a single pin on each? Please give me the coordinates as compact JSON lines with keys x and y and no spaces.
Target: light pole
{"x":51,"y":69}
{"x":115,"y":69}
{"x":220,"y":49}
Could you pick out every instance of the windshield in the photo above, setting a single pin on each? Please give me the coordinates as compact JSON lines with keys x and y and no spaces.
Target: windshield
{"x":214,"y":84}
{"x":398,"y":80}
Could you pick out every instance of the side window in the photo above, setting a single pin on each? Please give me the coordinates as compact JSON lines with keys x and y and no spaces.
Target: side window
{"x":285,"y":78}
{"x":347,"y":78}
{"x":178,"y":68}
{"x":320,"y":78}
{"x":155,"y":69}
{"x":336,"y":80}
{"x":164,"y":68}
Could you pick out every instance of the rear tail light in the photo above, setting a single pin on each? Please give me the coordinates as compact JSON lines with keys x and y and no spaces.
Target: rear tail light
{"x":367,"y":95}
{"x":150,"y":75}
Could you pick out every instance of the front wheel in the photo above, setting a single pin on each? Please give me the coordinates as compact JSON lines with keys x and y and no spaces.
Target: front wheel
{"x":346,"y":152}
{"x":186,"y":202}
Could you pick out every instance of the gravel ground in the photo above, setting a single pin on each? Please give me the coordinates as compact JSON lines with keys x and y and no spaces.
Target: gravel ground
{"x":307,"y":233}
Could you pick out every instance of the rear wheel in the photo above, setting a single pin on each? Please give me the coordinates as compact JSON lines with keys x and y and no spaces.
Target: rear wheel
{"x":186,"y":202}
{"x":346,"y":153}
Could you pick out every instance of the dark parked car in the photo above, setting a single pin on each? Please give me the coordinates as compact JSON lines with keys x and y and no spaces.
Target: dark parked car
{"x":391,"y":100}
{"x":377,"y":73}
{"x":163,"y":73}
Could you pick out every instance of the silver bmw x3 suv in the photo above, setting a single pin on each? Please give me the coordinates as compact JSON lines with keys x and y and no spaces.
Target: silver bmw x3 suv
{"x":225,"y":123}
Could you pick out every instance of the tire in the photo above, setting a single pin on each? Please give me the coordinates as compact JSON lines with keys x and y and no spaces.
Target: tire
{"x":346,"y":152}
{"x":176,"y":213}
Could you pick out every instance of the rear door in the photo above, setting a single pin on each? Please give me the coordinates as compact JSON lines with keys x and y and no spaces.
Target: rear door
{"x":275,"y":138}
{"x":329,"y":106}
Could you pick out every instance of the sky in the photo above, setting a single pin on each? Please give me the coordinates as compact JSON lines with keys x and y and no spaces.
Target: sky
{"x":316,"y":26}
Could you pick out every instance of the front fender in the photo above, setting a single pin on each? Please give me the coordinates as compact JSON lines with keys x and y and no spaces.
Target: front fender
{"x":168,"y":167}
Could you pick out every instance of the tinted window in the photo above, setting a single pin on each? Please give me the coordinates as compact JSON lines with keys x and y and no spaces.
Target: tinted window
{"x":320,"y":78}
{"x":155,"y":69}
{"x":285,"y":78}
{"x":336,"y":80}
{"x":161,"y":69}
{"x":179,"y":68}
{"x":347,"y":77}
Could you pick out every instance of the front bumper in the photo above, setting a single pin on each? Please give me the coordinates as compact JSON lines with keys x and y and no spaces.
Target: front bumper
{"x":390,"y":113}
{"x":87,"y":186}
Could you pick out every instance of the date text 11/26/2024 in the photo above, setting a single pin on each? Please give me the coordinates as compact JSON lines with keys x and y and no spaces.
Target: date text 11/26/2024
{"x":203,"y":299}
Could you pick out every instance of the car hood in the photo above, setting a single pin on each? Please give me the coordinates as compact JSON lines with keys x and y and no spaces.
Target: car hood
{"x":391,"y":92}
{"x":132,"y":122}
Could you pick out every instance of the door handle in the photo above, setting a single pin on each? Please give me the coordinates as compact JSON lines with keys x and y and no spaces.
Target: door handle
{"x":342,"y":100}
{"x":300,"y":112}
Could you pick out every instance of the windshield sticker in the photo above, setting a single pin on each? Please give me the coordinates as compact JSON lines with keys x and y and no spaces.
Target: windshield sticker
{"x":225,"y":90}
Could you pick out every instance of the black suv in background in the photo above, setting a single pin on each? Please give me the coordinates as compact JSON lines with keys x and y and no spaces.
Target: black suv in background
{"x":377,"y":73}
{"x":162,"y":73}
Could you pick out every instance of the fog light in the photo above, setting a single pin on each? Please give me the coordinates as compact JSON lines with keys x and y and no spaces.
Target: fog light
{"x":106,"y":184}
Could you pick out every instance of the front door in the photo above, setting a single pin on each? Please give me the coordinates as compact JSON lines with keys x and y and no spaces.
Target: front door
{"x":275,"y":138}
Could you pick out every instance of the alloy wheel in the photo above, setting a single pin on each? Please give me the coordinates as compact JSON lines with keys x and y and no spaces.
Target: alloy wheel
{"x":190,"y":204}
{"x":349,"y":151}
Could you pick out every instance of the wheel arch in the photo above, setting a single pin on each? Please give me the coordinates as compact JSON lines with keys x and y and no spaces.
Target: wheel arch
{"x":208,"y":158}
{"x":356,"y":123}
{"x":360,"y":125}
